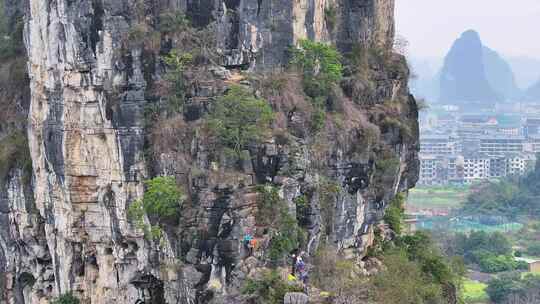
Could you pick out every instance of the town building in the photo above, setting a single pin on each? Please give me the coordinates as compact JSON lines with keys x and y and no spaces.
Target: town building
{"x":533,"y":264}
{"x":516,"y":164}
{"x":501,"y":145}
{"x":531,"y":127}
{"x":478,"y":121}
{"x":510,"y":130}
{"x":441,"y":170}
{"x":498,"y":167}
{"x":462,"y":150}
{"x":533,"y":144}
{"x":429,"y":168}
{"x":455,"y":169}
{"x":439,"y":145}
{"x":509,"y":125}
{"x":476,"y":167}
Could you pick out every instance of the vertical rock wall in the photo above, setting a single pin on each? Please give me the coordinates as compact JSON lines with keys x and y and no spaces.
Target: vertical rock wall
{"x":89,"y":86}
{"x":85,"y":139}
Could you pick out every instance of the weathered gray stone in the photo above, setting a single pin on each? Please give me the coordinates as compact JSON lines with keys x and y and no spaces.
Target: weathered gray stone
{"x":89,"y":87}
{"x":295,"y":298}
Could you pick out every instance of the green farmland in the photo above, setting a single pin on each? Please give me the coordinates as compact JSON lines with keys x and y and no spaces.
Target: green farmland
{"x":437,"y":197}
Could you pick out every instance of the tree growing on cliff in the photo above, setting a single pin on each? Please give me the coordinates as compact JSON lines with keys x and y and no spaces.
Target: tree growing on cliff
{"x":395,"y":213}
{"x":403,"y":281}
{"x":162,"y":197}
{"x":177,"y":63}
{"x":321,"y":68}
{"x":239,"y":118}
{"x":417,"y":272}
{"x":273,"y":212}
{"x":161,"y":202}
{"x":318,"y":62}
{"x":320,"y":65}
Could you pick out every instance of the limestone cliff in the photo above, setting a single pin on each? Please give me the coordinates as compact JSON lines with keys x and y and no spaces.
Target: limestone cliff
{"x":95,"y":69}
{"x":464,"y":76}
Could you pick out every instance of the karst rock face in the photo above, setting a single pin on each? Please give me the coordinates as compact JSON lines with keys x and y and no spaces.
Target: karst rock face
{"x":66,"y":228}
{"x":464,"y":77}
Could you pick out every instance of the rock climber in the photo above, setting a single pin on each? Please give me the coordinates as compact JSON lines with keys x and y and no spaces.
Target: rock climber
{"x":247,"y":243}
{"x":301,"y":269}
{"x":253,"y":244}
{"x":294,"y":259}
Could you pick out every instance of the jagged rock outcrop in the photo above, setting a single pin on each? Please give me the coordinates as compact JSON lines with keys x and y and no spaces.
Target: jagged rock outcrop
{"x":92,"y":146}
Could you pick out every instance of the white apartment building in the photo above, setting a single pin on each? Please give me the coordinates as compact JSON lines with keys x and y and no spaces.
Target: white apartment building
{"x":516,"y":164}
{"x":476,"y":167}
{"x":509,"y":131}
{"x":439,"y":145}
{"x":440,"y":170}
{"x":458,"y":169}
{"x":428,"y":169}
{"x":500,"y":146}
{"x":533,"y":144}
{"x":455,"y":169}
{"x":532,"y":127}
{"x":498,"y":167}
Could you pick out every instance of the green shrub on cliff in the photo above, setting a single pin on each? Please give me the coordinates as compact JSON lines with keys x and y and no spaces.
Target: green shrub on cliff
{"x":67,"y":298}
{"x":318,"y":118}
{"x":162,"y":197}
{"x":286,"y":237}
{"x":388,"y":163}
{"x":177,"y":63}
{"x":274,"y":212}
{"x":239,"y":118}
{"x":321,"y":68}
{"x":135,"y":213}
{"x":421,"y":249}
{"x":302,"y":210}
{"x":417,"y":272}
{"x":270,"y":288}
{"x":403,"y":281}
{"x":173,"y":22}
{"x":395,"y":213}
{"x":320,"y":65}
{"x":161,"y":202}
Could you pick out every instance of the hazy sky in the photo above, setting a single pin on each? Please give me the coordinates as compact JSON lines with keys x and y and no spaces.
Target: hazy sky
{"x":510,"y":27}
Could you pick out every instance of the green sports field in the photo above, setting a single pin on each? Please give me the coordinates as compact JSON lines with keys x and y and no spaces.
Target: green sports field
{"x":437,"y":197}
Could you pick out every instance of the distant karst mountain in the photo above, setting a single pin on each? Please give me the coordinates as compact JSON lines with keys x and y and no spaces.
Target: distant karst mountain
{"x":475,"y":73}
{"x":533,"y":92}
{"x":463,"y":77}
{"x":526,"y":70}
{"x":500,"y":75}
